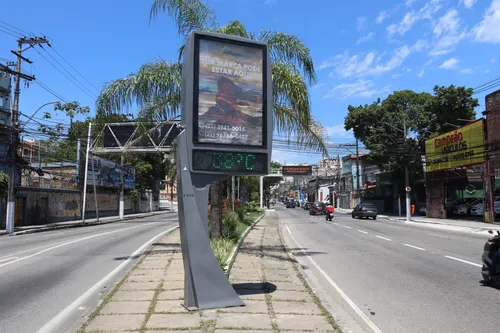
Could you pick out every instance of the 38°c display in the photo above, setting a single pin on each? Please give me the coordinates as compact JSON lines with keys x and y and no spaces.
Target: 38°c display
{"x":237,"y":162}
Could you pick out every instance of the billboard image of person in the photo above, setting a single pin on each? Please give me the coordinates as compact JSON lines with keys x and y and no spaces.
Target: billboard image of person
{"x":230,"y":93}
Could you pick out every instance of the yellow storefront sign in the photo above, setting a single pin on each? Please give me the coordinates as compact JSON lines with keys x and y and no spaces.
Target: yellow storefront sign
{"x":461,"y":147}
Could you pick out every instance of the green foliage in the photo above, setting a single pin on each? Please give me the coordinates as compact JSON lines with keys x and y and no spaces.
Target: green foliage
{"x":229,"y":224}
{"x":380,"y":125}
{"x":241,"y":210}
{"x":222,"y":247}
{"x":4,"y":182}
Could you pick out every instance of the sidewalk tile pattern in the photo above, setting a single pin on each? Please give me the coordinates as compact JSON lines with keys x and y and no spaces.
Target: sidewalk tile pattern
{"x":276,"y":298}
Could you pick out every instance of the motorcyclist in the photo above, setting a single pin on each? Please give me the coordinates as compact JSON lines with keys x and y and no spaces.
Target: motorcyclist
{"x":495,"y":260}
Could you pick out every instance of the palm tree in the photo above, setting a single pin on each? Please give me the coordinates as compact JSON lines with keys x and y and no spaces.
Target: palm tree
{"x":155,"y":88}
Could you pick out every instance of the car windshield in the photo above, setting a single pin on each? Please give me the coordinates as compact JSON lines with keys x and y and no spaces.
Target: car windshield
{"x":369,"y":205}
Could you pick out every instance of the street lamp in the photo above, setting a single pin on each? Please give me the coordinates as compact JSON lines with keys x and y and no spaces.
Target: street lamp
{"x":34,"y":113}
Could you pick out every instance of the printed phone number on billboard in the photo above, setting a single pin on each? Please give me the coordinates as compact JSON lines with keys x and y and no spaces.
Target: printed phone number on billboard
{"x":229,"y":132}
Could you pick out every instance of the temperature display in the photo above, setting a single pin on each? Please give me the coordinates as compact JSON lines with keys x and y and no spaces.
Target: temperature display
{"x":228,"y":162}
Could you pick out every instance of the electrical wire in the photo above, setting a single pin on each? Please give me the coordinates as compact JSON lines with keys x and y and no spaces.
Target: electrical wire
{"x":8,"y":33}
{"x":22,"y":32}
{"x":50,"y":55}
{"x":97,"y":89}
{"x":76,"y":84}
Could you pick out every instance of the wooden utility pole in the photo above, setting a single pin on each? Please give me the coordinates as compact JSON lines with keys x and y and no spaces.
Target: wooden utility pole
{"x":18,"y":75}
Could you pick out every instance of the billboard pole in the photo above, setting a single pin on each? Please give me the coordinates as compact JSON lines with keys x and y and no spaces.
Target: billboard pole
{"x":122,"y":190}
{"x":84,"y":201}
{"x":227,"y":131}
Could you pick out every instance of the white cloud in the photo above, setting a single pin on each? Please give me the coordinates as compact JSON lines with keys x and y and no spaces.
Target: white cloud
{"x":286,"y":156}
{"x":412,"y":17}
{"x":408,"y":3}
{"x":420,"y":45}
{"x":361,"y":88}
{"x":366,"y":38}
{"x":382,"y":16}
{"x":487,"y":30}
{"x":337,"y":131}
{"x":269,"y":2}
{"x":361,"y":22}
{"x":421,"y":73}
{"x":449,"y":64}
{"x":493,"y":60}
{"x":469,"y":3}
{"x":428,"y":62}
{"x":395,"y":76}
{"x":467,"y":71}
{"x":448,"y":32}
{"x":359,"y":65}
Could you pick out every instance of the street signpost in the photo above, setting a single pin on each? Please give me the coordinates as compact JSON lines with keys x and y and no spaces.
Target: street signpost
{"x":227,"y":130}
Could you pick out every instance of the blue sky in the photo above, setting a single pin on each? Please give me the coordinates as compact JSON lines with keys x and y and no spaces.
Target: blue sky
{"x":362,"y":49}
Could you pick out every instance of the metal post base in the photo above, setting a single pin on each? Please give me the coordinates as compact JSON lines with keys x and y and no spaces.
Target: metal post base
{"x":205,"y":284}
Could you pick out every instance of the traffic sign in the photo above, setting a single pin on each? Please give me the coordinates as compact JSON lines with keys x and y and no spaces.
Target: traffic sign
{"x":408,"y":189}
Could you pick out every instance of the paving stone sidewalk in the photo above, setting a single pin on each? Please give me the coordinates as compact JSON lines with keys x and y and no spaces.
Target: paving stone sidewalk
{"x":276,"y":296}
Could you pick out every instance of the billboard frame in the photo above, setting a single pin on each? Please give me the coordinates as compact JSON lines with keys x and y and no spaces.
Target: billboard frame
{"x":196,"y":87}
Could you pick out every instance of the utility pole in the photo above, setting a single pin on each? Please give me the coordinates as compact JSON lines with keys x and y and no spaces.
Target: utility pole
{"x":15,"y":123}
{"x":121,"y":207}
{"x":357,"y":171}
{"x":407,"y":178}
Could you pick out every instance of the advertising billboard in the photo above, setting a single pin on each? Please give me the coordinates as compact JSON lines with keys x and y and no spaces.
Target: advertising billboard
{"x":107,"y":174}
{"x":230,"y":93}
{"x":461,"y":147}
{"x":297,"y":170}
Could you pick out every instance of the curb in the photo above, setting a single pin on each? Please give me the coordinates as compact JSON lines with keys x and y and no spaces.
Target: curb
{"x":232,"y":256}
{"x":77,"y":225}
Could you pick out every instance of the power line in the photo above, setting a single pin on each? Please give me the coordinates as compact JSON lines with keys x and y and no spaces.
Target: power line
{"x":48,"y":89}
{"x":10,"y":25}
{"x":66,"y":70}
{"x":63,"y":74}
{"x":97,"y":89}
{"x":8,"y":33}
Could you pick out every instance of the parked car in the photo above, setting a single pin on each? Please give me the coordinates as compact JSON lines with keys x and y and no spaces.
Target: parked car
{"x":366,"y":209}
{"x":316,"y":208}
{"x":290,"y":204}
{"x":307,"y":205}
{"x":422,"y":210}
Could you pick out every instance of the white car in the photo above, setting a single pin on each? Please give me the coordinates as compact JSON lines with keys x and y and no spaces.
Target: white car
{"x":477,"y":210}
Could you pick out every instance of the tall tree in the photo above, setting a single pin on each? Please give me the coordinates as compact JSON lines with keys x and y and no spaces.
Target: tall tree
{"x":155,"y":88}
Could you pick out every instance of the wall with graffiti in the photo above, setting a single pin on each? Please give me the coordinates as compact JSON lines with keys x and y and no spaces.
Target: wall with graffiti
{"x":40,"y":206}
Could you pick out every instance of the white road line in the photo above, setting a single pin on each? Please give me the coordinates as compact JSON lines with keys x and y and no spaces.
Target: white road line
{"x":464,"y":261}
{"x":438,"y":235}
{"x":30,"y":250}
{"x":414,"y":247}
{"x":336,"y":223}
{"x":61,"y":317}
{"x":9,"y":258}
{"x":387,"y":239}
{"x":347,"y":227}
{"x":363,"y":232}
{"x":337,"y":288}
{"x":72,"y":242}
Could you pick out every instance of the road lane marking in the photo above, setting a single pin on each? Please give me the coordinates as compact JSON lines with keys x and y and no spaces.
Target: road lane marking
{"x":9,"y":258}
{"x":71,"y":242}
{"x":438,"y":235}
{"x":414,"y":247}
{"x":347,"y":227}
{"x":336,"y":223}
{"x":361,"y":231}
{"x":61,"y":317}
{"x":349,"y":301}
{"x":464,"y":261}
{"x":387,"y":239}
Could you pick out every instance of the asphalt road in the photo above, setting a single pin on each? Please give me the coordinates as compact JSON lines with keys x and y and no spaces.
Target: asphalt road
{"x":402,"y":278}
{"x":41,"y":274}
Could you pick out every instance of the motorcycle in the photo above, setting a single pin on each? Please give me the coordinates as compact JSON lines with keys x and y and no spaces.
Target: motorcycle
{"x":329,"y":216}
{"x":490,"y":247}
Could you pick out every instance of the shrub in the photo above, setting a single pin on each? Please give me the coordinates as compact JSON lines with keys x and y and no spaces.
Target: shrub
{"x":241,"y":210}
{"x":221,"y":248}
{"x":229,"y":224}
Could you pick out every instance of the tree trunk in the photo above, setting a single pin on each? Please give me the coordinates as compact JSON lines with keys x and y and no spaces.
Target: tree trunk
{"x":216,"y":194}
